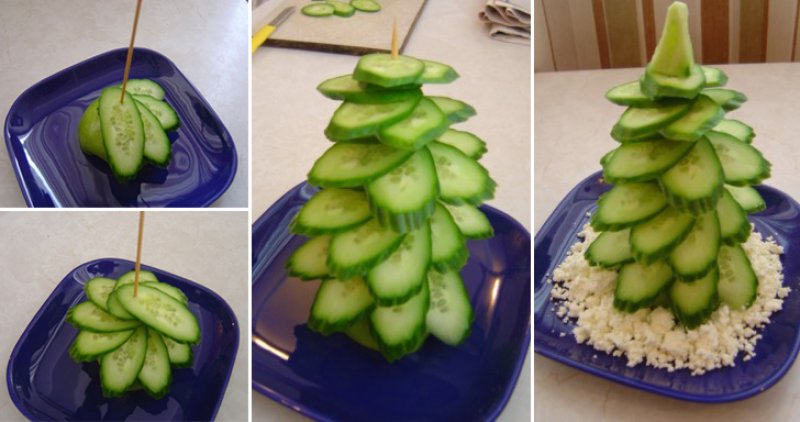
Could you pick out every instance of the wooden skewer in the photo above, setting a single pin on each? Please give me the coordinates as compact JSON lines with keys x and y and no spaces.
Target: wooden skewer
{"x":130,"y":55}
{"x":138,"y":255}
{"x":395,"y":52}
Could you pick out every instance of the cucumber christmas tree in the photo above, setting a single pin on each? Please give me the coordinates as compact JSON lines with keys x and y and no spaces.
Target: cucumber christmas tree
{"x":399,"y":196}
{"x":674,"y":220}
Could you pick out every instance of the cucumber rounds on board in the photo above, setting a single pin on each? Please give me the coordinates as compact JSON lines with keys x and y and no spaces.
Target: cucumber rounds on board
{"x":136,"y":340}
{"x":673,"y":222}
{"x":341,"y":8}
{"x":399,"y":197}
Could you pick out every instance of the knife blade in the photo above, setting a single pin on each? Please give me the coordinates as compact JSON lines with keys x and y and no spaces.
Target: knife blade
{"x":261,"y":36}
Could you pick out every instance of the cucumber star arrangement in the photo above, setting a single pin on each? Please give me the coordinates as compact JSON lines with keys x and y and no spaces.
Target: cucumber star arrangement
{"x":136,"y":340}
{"x":674,"y":221}
{"x":340,"y":8}
{"x":399,"y":196}
{"x":133,"y":132}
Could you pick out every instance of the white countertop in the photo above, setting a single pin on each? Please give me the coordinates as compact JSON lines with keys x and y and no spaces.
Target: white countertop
{"x":207,"y":40}
{"x":289,"y":117}
{"x":572,"y":122}
{"x":39,"y":248}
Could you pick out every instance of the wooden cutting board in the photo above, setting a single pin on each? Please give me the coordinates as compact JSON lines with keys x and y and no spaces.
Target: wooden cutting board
{"x":359,"y":34}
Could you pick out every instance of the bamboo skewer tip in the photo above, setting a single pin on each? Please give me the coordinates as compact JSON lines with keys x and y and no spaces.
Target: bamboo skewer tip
{"x":137,"y":267}
{"x":395,"y":51}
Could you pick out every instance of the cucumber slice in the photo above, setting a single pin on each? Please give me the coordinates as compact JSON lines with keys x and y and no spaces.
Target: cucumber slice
{"x":472,"y":146}
{"x":144,"y":277}
{"x":728,"y":99}
{"x":703,"y":115}
{"x":354,"y":252}
{"x":144,"y":87}
{"x":471,"y":221}
{"x":170,"y":291}
{"x":456,"y":111}
{"x":425,"y":124}
{"x":338,"y":304}
{"x":656,"y":237}
{"x":450,"y":313}
{"x":123,"y":133}
{"x":348,"y":89}
{"x":742,"y":164}
{"x":318,"y":10}
{"x":308,"y":262}
{"x":404,"y":198}
{"x":330,"y":211}
{"x":341,"y":8}
{"x":714,"y":77}
{"x":626,"y":205}
{"x":89,"y":346}
{"x":437,"y":73}
{"x":738,"y":283}
{"x":400,"y":329}
{"x":733,"y":225}
{"x":694,"y":184}
{"x":737,"y":129}
{"x":694,"y":302}
{"x":354,"y":121}
{"x":115,"y":307}
{"x":156,"y":373}
{"x":697,"y":254}
{"x":160,"y":312}
{"x":387,"y":71}
{"x":166,"y":115}
{"x":643,"y":161}
{"x":180,"y":354}
{"x":88,"y":316}
{"x":157,"y":148}
{"x":355,"y":164}
{"x":461,"y":179}
{"x":98,"y":289}
{"x":660,"y":86}
{"x":90,"y":136}
{"x":120,"y":368}
{"x":610,"y":249}
{"x":638,"y":122}
{"x":368,"y":6}
{"x":361,"y":332}
{"x":401,"y":275}
{"x":747,"y":197}
{"x":449,"y":248}
{"x":629,"y":94}
{"x":639,"y":285}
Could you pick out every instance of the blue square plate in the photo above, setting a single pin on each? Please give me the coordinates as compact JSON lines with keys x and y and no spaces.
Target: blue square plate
{"x":333,"y":378}
{"x":775,"y":352}
{"x":46,"y":384}
{"x":41,"y":133}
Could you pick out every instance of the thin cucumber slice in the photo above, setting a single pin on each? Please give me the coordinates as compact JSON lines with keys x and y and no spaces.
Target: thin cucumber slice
{"x":728,"y":99}
{"x":449,"y":248}
{"x":694,"y":184}
{"x":170,"y":291}
{"x":90,"y":136}
{"x":639,"y":285}
{"x":387,"y":71}
{"x":361,"y":332}
{"x":157,"y":148}
{"x":737,"y":129}
{"x":643,"y":161}
{"x":426,"y":123}
{"x":161,"y":312}
{"x":471,"y":221}
{"x":629,"y":94}
{"x":747,"y":197}
{"x":714,"y":77}
{"x":657,"y":85}
{"x":120,"y":368}
{"x":626,"y":205}
{"x":180,"y":354}
{"x":382,"y":89}
{"x":338,"y":304}
{"x":610,"y":249}
{"x":98,"y":289}
{"x":703,"y":115}
{"x":123,"y":133}
{"x":742,"y":164}
{"x":461,"y":179}
{"x":354,"y":121}
{"x":672,"y":71}
{"x":144,"y":277}
{"x":466,"y":142}
{"x":88,"y":316}
{"x":309,"y":261}
{"x":354,"y":252}
{"x":738,"y":283}
{"x":368,"y":6}
{"x":400,"y":329}
{"x":144,"y":87}
{"x":404,"y":198}
{"x":318,"y":10}
{"x":638,"y":122}
{"x":437,"y":73}
{"x":456,"y":111}
{"x":156,"y":373}
{"x":697,"y":254}
{"x":355,"y":164}
{"x":115,"y":307}
{"x":332,"y":210}
{"x":694,"y":302}
{"x":656,"y":237}
{"x":401,"y":275}
{"x":348,"y":89}
{"x":733,"y":225}
{"x":450,"y":313}
{"x":341,"y":8}
{"x":89,"y":346}
{"x":166,"y":115}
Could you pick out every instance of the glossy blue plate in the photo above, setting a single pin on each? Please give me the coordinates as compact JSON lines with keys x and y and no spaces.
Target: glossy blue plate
{"x":775,"y":352}
{"x":333,"y":378}
{"x":41,"y":133}
{"x":46,"y":384}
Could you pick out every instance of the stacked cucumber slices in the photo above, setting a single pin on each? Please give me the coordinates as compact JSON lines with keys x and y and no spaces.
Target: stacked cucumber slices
{"x":674,"y":220}
{"x":136,"y":340}
{"x":399,"y":198}
{"x":129,"y":133}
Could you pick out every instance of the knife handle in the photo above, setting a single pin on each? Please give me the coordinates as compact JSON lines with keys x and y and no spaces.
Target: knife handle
{"x":261,"y":36}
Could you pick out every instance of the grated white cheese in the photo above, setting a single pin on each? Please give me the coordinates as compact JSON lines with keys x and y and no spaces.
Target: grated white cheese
{"x":651,"y":336}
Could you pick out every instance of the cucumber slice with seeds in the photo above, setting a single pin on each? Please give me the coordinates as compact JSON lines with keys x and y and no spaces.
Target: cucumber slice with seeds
{"x":449,"y":248}
{"x":471,"y":221}
{"x":400,"y":329}
{"x":166,"y":115}
{"x":352,"y":165}
{"x":387,"y":71}
{"x":638,"y":122}
{"x":88,"y":316}
{"x":629,"y":94}
{"x":88,"y":346}
{"x":741,"y":163}
{"x":643,"y":161}
{"x":472,"y":146}
{"x":626,"y":205}
{"x":657,"y":85}
{"x":728,"y":99}
{"x":733,"y":224}
{"x":90,"y":136}
{"x":348,"y":89}
{"x":738,"y":283}
{"x":157,"y":148}
{"x":737,"y":129}
{"x":180,"y":354}
{"x":144,"y":87}
{"x":318,"y":10}
{"x":747,"y":197}
{"x":144,"y":277}
{"x":437,"y":73}
{"x":401,"y":275}
{"x":714,"y":77}
{"x":115,"y":307}
{"x":461,"y":179}
{"x":423,"y":125}
{"x":123,"y":133}
{"x":656,"y":237}
{"x":456,"y":111}
{"x":368,"y":6}
{"x":694,"y":184}
{"x":703,"y":115}
{"x":120,"y":368}
{"x":354,"y":121}
{"x":156,"y":373}
{"x":161,"y":312}
{"x":354,"y":252}
{"x":610,"y":249}
{"x":639,"y":285}
{"x":98,"y":289}
{"x":170,"y":291}
{"x":450,"y":313}
{"x":341,"y":8}
{"x":696,"y":255}
{"x":331,"y":210}
{"x":694,"y":302}
{"x":309,"y":261}
{"x":338,"y":304}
